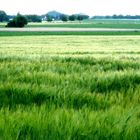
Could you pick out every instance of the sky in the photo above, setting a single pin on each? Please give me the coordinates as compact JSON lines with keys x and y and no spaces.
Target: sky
{"x":90,"y":7}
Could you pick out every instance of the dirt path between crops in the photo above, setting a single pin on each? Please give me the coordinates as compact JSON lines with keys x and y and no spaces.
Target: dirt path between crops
{"x":45,"y":29}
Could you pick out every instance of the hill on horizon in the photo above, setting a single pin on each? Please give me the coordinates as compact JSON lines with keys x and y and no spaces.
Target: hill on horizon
{"x":54,"y":14}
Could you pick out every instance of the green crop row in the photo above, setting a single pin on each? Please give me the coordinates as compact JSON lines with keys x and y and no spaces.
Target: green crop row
{"x":87,"y":33}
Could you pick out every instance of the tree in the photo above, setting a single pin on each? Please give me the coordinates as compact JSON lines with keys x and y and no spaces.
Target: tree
{"x":18,"y":21}
{"x":85,"y":16}
{"x":64,"y":17}
{"x":49,"y":18}
{"x":72,"y":17}
{"x":114,"y":16}
{"x":79,"y":17}
{"x":33,"y":18}
{"x":82,"y":17}
{"x":3,"y":16}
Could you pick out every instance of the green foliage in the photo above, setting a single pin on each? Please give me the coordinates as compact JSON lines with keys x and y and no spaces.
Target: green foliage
{"x":72,"y":17}
{"x":18,"y":21}
{"x":81,"y":17}
{"x":49,"y":18}
{"x":130,"y":17}
{"x":33,"y":18}
{"x":64,"y":17}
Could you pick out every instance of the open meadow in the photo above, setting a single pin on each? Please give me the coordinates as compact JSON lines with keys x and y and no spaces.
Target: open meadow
{"x":92,"y":23}
{"x":69,"y":87}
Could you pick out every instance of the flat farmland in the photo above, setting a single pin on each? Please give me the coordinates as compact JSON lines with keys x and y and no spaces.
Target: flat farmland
{"x":92,"y":23}
{"x":69,"y":87}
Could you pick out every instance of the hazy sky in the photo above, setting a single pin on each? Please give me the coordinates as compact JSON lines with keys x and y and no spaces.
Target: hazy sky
{"x":90,"y":7}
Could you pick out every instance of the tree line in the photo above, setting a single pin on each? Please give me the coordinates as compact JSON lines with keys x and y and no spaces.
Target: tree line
{"x":21,"y":20}
{"x":66,"y":18}
{"x":117,"y":17}
{"x":46,"y":17}
{"x":53,"y":15}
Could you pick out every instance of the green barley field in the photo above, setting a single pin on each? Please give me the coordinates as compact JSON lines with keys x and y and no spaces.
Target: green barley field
{"x":69,"y":87}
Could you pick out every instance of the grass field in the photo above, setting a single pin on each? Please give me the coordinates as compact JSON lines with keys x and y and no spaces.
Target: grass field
{"x":67,"y":33}
{"x":69,"y":87}
{"x":128,"y":24}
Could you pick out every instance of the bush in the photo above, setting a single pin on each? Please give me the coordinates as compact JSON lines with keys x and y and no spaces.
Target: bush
{"x":18,"y":21}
